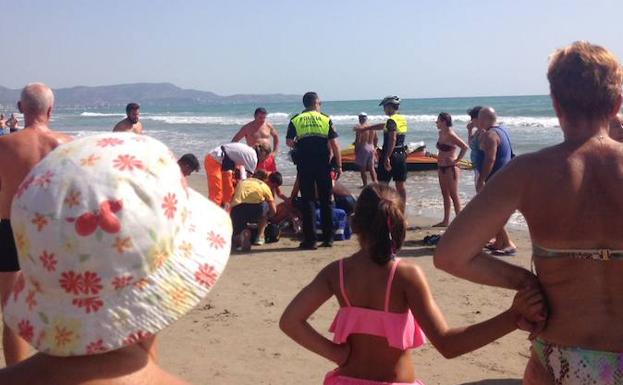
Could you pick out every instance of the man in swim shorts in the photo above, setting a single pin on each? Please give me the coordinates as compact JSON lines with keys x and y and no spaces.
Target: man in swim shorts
{"x":259,"y":131}
{"x":22,"y":151}
{"x":131,"y":122}
{"x":13,"y":123}
{"x":365,"y":148}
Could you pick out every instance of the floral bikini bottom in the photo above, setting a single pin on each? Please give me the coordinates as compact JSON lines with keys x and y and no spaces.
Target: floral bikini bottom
{"x":578,"y":366}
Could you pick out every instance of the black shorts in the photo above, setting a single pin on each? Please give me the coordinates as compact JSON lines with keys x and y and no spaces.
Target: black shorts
{"x":398,"y":161}
{"x":8,"y":251}
{"x":247,"y":213}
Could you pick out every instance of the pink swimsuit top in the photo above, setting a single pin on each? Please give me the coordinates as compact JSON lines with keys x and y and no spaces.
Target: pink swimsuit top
{"x":401,"y":329}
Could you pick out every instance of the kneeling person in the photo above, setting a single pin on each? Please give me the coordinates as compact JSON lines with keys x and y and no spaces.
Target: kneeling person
{"x":253,"y":202}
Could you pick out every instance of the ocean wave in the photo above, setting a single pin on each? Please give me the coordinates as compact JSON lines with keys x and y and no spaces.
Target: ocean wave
{"x":276,"y":117}
{"x":99,"y":114}
{"x":517,"y":121}
{"x":282,"y":118}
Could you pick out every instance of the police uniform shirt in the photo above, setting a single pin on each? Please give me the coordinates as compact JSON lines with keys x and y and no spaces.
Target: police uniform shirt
{"x":391,"y":126}
{"x":312,"y":148}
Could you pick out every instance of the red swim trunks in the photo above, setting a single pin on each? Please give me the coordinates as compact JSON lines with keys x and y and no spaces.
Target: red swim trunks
{"x":269,"y":165}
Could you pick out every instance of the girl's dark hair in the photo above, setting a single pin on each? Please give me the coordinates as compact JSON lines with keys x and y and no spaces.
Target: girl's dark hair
{"x":379,"y":221}
{"x":446,"y":118}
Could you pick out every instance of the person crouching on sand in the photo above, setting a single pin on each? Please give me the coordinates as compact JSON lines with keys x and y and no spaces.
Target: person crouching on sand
{"x":375,"y":288}
{"x":221,"y":162}
{"x":120,"y":249}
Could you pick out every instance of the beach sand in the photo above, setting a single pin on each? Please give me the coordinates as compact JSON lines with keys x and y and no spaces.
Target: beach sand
{"x":233,"y":338}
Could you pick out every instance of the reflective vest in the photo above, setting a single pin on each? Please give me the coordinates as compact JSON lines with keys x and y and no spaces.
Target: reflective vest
{"x":311,"y":123}
{"x":401,"y":124}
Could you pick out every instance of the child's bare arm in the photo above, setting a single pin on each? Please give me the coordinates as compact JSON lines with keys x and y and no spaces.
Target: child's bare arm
{"x":294,"y":323}
{"x":453,"y":342}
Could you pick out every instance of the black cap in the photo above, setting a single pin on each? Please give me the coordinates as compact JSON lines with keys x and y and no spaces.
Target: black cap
{"x":474,"y":111}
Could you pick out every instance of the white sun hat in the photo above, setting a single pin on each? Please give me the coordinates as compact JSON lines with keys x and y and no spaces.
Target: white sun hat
{"x":112,"y":244}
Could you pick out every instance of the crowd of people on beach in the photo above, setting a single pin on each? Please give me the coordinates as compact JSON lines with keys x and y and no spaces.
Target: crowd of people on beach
{"x":103,"y":244}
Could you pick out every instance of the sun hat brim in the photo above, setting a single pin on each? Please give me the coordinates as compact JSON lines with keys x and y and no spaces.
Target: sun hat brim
{"x":139,"y":308}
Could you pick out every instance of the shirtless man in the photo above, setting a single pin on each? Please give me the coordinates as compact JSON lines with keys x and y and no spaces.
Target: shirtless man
{"x":3,"y":125}
{"x":259,"y":131}
{"x":22,"y":150}
{"x":131,"y":123}
{"x":365,"y":149}
{"x":13,"y":123}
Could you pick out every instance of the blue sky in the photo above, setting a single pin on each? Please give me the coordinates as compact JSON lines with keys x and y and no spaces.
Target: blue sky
{"x":344,"y":49}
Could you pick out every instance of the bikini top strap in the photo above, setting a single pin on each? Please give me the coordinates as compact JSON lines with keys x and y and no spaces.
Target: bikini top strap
{"x":388,"y":290}
{"x":342,"y":289}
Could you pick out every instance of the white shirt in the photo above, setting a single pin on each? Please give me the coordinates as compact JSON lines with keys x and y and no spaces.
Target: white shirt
{"x":240,"y":153}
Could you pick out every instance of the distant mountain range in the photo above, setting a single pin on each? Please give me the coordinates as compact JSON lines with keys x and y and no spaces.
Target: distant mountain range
{"x":146,"y":94}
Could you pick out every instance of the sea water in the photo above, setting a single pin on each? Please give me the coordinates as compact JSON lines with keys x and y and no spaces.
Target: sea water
{"x":198,"y":129}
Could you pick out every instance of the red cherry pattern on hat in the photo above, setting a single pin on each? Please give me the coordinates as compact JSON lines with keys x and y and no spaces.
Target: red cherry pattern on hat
{"x":105,"y":218}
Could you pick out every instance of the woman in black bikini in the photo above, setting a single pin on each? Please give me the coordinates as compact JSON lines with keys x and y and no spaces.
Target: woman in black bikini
{"x":447,"y":168}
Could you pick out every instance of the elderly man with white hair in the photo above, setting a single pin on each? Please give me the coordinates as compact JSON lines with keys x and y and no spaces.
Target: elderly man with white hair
{"x":21,"y":151}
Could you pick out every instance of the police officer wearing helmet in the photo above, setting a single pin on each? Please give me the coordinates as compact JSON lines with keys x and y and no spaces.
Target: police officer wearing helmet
{"x":311,"y":133}
{"x":393,"y":161}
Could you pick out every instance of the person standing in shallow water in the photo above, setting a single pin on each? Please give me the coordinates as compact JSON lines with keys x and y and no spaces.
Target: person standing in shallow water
{"x":393,"y":161}
{"x":3,"y":126}
{"x":13,"y":123}
{"x":132,"y":121}
{"x":365,"y":149}
{"x":260,"y":131}
{"x":447,"y":170}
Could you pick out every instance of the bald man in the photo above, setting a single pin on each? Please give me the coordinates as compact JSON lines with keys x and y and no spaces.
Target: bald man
{"x":494,"y":152}
{"x":21,"y":151}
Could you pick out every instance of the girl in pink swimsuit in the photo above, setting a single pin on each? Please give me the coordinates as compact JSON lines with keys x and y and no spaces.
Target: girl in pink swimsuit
{"x":386,"y":308}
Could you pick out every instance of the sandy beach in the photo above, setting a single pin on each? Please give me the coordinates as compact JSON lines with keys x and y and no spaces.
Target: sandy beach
{"x":232,"y":337}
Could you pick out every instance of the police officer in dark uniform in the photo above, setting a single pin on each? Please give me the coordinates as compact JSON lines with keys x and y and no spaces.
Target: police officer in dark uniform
{"x":311,"y":133}
{"x":393,"y":161}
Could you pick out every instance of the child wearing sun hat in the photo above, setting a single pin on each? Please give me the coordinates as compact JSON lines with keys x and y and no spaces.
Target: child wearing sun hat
{"x":114,"y":247}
